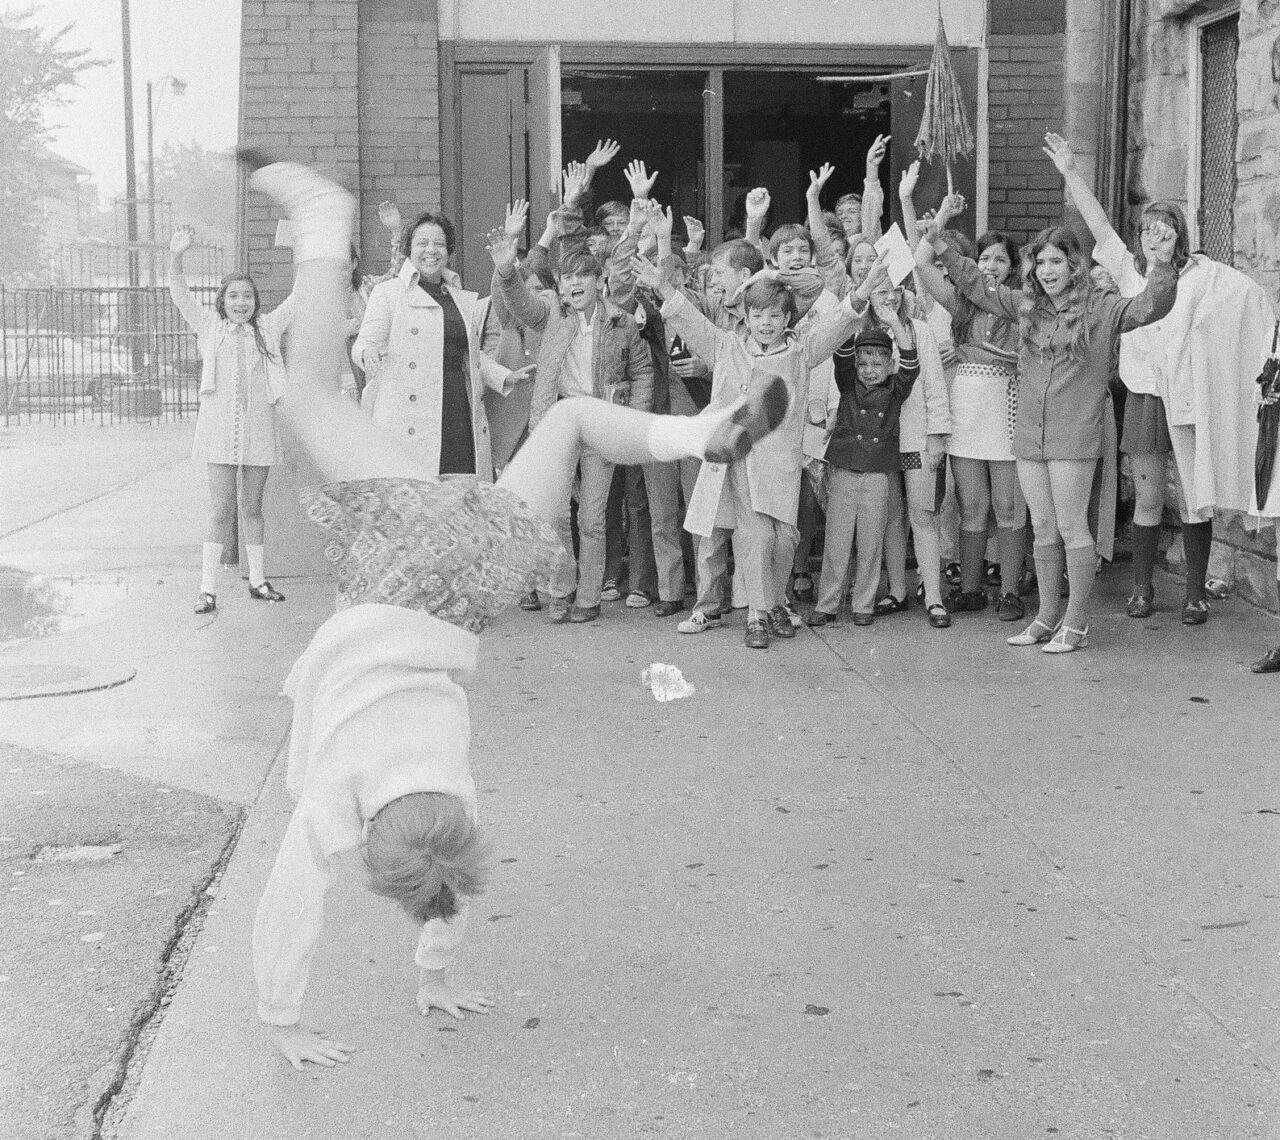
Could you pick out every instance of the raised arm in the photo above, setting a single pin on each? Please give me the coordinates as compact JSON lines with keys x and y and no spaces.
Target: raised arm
{"x":872,"y":191}
{"x":827,"y":258}
{"x":1095,"y":217}
{"x":907,"y":200}
{"x":758,"y":202}
{"x":1161,"y":290}
{"x":830,"y":331}
{"x":680,"y":315}
{"x":528,"y":310}
{"x":195,"y":314}
{"x":964,"y":273}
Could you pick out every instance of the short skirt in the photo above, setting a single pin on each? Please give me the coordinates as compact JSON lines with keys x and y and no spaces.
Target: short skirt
{"x":456,"y":548}
{"x":923,"y":491}
{"x":981,"y":412}
{"x":1146,"y":428}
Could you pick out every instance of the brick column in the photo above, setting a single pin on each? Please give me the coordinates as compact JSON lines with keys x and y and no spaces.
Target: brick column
{"x":399,"y":115}
{"x":298,"y":88}
{"x":1025,"y":99}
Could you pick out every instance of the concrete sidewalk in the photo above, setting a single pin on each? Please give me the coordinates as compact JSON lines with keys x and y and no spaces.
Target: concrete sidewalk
{"x":891,"y":880}
{"x":879,"y":881}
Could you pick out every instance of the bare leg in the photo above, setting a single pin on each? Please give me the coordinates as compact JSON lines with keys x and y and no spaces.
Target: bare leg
{"x":222,"y":502}
{"x":253,"y":483}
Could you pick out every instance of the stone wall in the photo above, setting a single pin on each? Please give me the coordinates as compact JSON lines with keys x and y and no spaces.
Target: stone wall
{"x":1159,"y":164}
{"x":1025,"y":98}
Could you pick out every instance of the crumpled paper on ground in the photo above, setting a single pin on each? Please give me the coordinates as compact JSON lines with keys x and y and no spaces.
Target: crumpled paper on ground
{"x":666,"y":682}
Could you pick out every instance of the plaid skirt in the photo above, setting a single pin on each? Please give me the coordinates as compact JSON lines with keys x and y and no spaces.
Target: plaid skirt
{"x":456,"y":548}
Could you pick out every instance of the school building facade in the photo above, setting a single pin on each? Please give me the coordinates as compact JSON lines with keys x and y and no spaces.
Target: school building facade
{"x":463,"y":105}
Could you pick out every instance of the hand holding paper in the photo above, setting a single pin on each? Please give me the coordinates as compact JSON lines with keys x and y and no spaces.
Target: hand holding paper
{"x":901,"y":261}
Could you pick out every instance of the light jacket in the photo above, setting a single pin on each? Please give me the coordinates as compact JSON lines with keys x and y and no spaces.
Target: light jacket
{"x":378,"y":713}
{"x":211,"y":330}
{"x":622,"y":367}
{"x":927,"y":411}
{"x":404,"y":394}
{"x":739,"y":365}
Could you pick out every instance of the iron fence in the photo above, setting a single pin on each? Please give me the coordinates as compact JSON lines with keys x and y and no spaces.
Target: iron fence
{"x":104,"y":354}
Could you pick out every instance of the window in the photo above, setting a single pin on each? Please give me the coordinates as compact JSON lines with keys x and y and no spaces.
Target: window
{"x":1216,"y":45}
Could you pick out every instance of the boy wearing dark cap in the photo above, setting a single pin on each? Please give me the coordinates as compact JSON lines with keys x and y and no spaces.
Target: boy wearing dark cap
{"x":861,"y":455}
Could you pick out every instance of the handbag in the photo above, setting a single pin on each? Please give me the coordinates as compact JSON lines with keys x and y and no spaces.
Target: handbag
{"x":1264,"y":456}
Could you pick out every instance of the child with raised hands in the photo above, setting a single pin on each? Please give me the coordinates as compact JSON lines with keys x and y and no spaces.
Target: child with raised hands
{"x":378,"y":756}
{"x":864,"y":454}
{"x":755,"y":498}
{"x":589,"y":349}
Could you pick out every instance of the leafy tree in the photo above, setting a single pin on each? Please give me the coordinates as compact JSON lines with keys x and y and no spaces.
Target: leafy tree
{"x":201,"y":185}
{"x":35,"y":69}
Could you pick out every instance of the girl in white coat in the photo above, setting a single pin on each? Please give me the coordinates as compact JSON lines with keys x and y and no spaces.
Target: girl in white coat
{"x":242,"y":378}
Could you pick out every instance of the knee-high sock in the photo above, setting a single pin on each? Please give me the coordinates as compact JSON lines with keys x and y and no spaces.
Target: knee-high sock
{"x":1082,"y":565}
{"x":973,"y":554}
{"x":1011,"y":540}
{"x":209,"y":559}
{"x":1049,"y":561}
{"x":1146,"y":541}
{"x":1197,"y":538}
{"x":257,"y":574}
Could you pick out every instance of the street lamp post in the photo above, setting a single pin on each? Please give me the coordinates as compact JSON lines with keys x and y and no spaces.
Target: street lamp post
{"x":164,"y":83}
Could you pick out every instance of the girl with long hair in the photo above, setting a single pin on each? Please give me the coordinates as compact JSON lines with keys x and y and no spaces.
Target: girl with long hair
{"x":1067,"y":342}
{"x":242,"y":378}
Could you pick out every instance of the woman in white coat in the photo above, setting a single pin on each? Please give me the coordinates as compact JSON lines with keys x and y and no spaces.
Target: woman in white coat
{"x":419,"y":344}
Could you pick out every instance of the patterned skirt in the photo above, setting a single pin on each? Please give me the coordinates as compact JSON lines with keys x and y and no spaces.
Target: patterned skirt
{"x":457,"y":548}
{"x":983,"y":411}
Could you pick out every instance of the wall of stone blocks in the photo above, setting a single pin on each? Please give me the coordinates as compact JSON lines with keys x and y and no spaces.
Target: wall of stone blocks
{"x":1159,"y":166}
{"x":1026,"y":99}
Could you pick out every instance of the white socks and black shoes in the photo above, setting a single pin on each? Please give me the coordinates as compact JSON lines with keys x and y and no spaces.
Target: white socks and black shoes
{"x":722,"y":435}
{"x":321,"y":213}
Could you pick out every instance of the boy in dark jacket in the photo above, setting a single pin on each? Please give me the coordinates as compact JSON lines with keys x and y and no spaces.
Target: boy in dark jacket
{"x":862,"y":454}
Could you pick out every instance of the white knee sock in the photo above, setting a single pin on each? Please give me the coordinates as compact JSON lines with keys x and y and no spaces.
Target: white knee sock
{"x":209,"y":560}
{"x":684,"y":437}
{"x":256,"y":574}
{"x":321,"y":213}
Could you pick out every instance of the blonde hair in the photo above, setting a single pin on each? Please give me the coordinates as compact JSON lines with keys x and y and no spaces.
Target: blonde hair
{"x":422,"y":851}
{"x":1037,"y":311}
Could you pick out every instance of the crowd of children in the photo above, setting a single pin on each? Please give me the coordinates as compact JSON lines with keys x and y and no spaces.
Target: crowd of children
{"x":1002,"y":368}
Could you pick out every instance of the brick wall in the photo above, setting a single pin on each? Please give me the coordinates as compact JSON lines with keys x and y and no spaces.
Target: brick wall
{"x":1025,"y":99}
{"x":298,"y":76}
{"x":351,"y":86}
{"x":399,"y":115}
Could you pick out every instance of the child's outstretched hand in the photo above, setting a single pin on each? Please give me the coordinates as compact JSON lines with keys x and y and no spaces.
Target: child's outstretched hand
{"x":758,"y":202}
{"x":181,"y":241}
{"x":639,"y":179}
{"x":300,"y":1045}
{"x":877,"y":275}
{"x":435,"y":992}
{"x":953,"y":205}
{"x":1163,"y":239}
{"x":818,"y":179}
{"x":604,"y":154}
{"x":502,"y":248}
{"x":695,"y":231}
{"x":517,"y":212}
{"x":910,"y":176}
{"x":1059,"y":152}
{"x":875,"y":156}
{"x":389,"y":216}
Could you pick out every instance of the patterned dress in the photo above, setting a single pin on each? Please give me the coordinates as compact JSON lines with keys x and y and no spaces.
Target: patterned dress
{"x":459,"y":549}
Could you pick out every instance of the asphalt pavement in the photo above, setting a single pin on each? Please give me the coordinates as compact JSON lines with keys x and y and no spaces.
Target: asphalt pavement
{"x":873,"y":881}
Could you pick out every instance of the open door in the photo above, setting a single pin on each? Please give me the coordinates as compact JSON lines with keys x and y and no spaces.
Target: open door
{"x":543,"y":125}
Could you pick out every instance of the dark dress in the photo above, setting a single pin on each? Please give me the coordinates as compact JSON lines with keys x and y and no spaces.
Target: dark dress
{"x":458,"y":549}
{"x":457,"y":443}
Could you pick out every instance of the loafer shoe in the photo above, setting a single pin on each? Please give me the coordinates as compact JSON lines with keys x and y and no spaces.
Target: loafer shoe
{"x":530,"y":601}
{"x":1140,"y":605}
{"x":1195,"y":613}
{"x":666,"y":609}
{"x":966,"y":601}
{"x":266,"y":593}
{"x":638,"y":600}
{"x":1010,"y":608}
{"x":863,"y":618}
{"x":757,"y":633}
{"x":206,"y":603}
{"x":818,"y":618}
{"x":891,"y":605}
{"x":780,"y":622}
{"x":939,"y":618}
{"x":558,"y":611}
{"x":579,"y":615}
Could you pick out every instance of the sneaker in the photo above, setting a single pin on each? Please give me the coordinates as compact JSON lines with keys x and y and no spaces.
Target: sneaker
{"x":530,"y":601}
{"x":558,"y":611}
{"x":638,"y":600}
{"x":609,"y":592}
{"x":757,"y":631}
{"x":780,"y":622}
{"x":698,"y":622}
{"x":794,"y":618}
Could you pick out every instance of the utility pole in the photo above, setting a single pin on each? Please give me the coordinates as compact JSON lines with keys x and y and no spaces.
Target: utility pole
{"x":130,"y":170}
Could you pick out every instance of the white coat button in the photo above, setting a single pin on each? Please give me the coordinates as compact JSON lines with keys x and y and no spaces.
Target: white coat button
{"x":414,"y":331}
{"x":411,"y":431}
{"x":413,"y":399}
{"x":413,"y":364}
